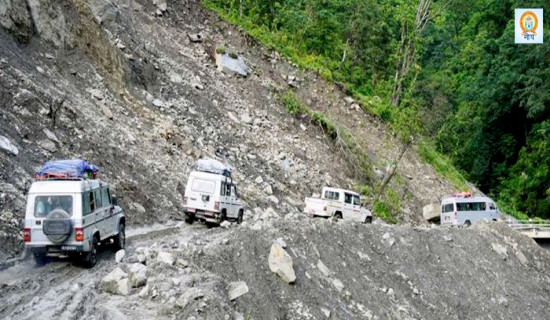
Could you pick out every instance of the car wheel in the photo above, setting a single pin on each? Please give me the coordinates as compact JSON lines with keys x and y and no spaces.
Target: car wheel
{"x":240,"y":217}
{"x":40,"y":259}
{"x":223,"y":216}
{"x":189,"y":219}
{"x":91,"y":258}
{"x":337,"y":216}
{"x":120,"y":238}
{"x":467,"y":223}
{"x":368,"y":220}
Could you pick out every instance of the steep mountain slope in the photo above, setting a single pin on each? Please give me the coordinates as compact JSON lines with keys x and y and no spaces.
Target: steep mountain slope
{"x":126,"y":88}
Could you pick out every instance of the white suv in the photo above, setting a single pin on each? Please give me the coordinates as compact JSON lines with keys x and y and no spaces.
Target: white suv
{"x":211,"y":196}
{"x":70,"y":216}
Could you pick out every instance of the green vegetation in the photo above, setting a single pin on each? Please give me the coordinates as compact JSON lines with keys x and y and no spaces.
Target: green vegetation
{"x":233,"y":55}
{"x":220,"y":50}
{"x":444,"y":70}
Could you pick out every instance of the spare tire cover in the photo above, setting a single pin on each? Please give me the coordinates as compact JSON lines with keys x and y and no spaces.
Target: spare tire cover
{"x":58,"y":226}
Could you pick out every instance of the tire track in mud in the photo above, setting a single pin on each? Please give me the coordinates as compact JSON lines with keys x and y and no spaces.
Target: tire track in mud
{"x":62,"y":289}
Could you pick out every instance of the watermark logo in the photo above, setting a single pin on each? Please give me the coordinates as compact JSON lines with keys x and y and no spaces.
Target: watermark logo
{"x":528,"y":26}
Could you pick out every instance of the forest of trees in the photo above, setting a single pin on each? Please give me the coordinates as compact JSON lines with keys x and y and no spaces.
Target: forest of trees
{"x":480,"y":99}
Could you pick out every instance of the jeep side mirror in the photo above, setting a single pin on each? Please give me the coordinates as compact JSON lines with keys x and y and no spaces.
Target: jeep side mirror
{"x":114,"y":200}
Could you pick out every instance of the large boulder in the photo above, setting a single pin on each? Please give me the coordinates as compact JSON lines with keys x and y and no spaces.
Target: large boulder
{"x":116,"y":282}
{"x":230,"y":65}
{"x":137,"y":274}
{"x":280,"y":262}
{"x":165,"y":257}
{"x":431,"y":212}
{"x":15,"y":18}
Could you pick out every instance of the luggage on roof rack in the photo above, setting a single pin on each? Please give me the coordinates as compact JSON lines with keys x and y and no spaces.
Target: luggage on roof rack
{"x":74,"y":169}
{"x":462,"y":194}
{"x":213,"y":166}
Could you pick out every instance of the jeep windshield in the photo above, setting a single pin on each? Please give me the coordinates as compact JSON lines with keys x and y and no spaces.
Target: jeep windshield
{"x":43,"y":205}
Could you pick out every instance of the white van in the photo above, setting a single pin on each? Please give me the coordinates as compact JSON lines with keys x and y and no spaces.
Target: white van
{"x":70,"y":217}
{"x":466,"y":210}
{"x":212,"y":198}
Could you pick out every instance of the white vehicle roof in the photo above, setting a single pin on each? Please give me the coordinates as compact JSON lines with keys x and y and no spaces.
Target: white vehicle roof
{"x":65,"y":186}
{"x":208,"y":175}
{"x":340,"y":190}
{"x":466,"y":199}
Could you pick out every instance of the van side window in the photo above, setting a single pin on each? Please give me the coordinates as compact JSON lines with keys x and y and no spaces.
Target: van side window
{"x":222,"y":189}
{"x":106,"y":197}
{"x":347,"y":198}
{"x":331,"y":195}
{"x":228,"y":191}
{"x":356,"y":201}
{"x":97,"y":197}
{"x":235,"y":191}
{"x":471,"y":206}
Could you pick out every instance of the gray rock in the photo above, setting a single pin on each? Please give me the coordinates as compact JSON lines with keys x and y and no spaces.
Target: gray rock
{"x":431,"y":212}
{"x":246,"y":118}
{"x":236,"y":289}
{"x":349,"y":100}
{"x":225,"y":224}
{"x":189,"y":296}
{"x":324,"y":270}
{"x":6,"y":145}
{"x":98,"y":94}
{"x":273,"y":199}
{"x":281,"y":242}
{"x":137,"y":274}
{"x":161,"y":5}
{"x":48,"y":145}
{"x":123,"y":287}
{"x":521,"y":257}
{"x":280,"y":262}
{"x":50,"y":135}
{"x":268,"y":189}
{"x":158,"y":103}
{"x":500,"y":249}
{"x":326,"y":312}
{"x":195,"y":38}
{"x":165,"y":257}
{"x":338,"y":285}
{"x":259,"y":180}
{"x":113,"y":282}
{"x":120,"y":255}
{"x":229,"y":65}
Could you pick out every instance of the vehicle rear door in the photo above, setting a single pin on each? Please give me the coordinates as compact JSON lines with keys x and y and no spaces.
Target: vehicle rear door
{"x":347,"y":208}
{"x":447,"y":213}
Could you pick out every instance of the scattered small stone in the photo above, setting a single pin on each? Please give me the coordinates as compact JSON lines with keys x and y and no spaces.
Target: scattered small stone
{"x":195,"y":38}
{"x":165,"y":257}
{"x":236,"y":289}
{"x":120,"y":255}
{"x":137,"y":274}
{"x":6,"y":145}
{"x":225,"y":224}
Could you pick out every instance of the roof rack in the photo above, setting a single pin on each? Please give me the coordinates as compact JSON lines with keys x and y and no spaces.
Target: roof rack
{"x":75,"y":169}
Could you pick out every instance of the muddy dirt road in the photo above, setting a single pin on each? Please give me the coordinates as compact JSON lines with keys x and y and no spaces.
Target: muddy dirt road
{"x":62,"y":289}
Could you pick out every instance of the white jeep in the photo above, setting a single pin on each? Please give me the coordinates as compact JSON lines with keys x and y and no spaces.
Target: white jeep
{"x":339,"y":204}
{"x":211,"y":196}
{"x":71,"y":217}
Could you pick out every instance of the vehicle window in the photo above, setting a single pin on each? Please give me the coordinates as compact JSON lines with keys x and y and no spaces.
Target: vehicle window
{"x":235,"y":192}
{"x":356,"y":200}
{"x":204,"y":186}
{"x":43,"y":205}
{"x":492,"y":206}
{"x":331,"y":195}
{"x":228,"y":191}
{"x":347,"y":198}
{"x":222,"y":189}
{"x":97,"y":197}
{"x":106,"y":197}
{"x":471,"y":206}
{"x":448,"y":208}
{"x":88,"y":203}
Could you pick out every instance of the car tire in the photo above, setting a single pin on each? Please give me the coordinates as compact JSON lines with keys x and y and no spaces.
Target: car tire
{"x":40,"y":259}
{"x":189,"y":219}
{"x":90,"y":259}
{"x":368,"y":220}
{"x":337,"y":216}
{"x":240,"y":217}
{"x":467,"y":223}
{"x":223,"y":216}
{"x":120,"y":238}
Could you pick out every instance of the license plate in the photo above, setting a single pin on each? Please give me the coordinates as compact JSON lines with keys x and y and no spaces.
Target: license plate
{"x":191,"y":210}
{"x":210,"y":214}
{"x":68,"y":248}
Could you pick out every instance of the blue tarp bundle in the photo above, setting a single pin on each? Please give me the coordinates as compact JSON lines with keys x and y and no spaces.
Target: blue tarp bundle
{"x":75,"y":168}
